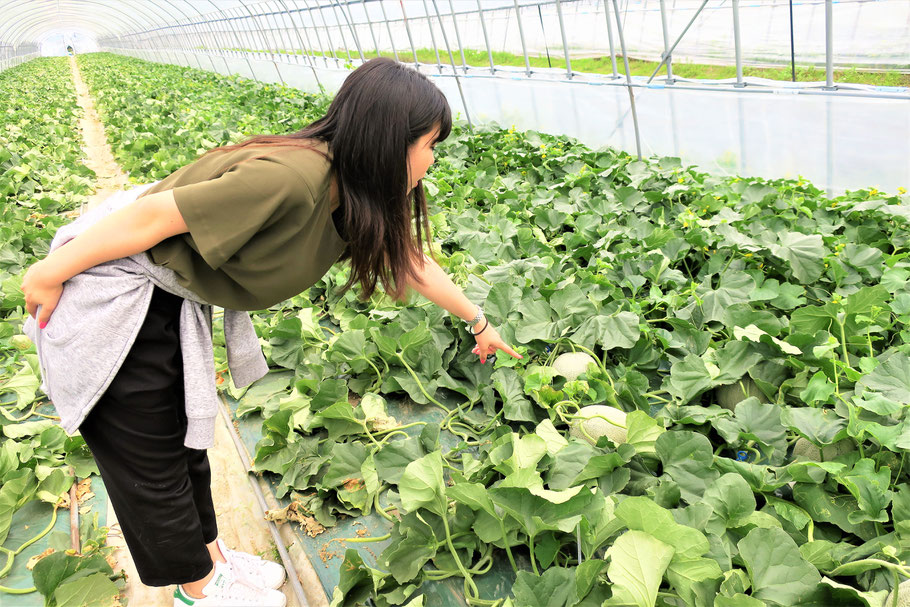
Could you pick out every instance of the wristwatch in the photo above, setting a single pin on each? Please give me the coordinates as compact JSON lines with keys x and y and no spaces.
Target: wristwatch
{"x":477,"y":318}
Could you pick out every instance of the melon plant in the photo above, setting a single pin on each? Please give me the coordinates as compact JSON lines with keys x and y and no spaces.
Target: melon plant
{"x":572,"y":364}
{"x":600,"y":420}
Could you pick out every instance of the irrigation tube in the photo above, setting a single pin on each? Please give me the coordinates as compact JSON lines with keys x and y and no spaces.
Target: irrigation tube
{"x":276,"y":536}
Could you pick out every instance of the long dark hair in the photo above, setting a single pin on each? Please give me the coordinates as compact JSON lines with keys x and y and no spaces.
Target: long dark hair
{"x":381,"y":108}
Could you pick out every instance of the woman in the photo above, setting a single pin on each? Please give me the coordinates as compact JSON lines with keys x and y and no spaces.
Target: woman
{"x":125,"y":349}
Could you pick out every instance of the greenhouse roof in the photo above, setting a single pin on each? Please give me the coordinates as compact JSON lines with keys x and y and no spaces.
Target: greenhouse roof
{"x":31,"y":20}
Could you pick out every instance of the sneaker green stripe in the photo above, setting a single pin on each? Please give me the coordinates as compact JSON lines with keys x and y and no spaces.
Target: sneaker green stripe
{"x":178,"y":594}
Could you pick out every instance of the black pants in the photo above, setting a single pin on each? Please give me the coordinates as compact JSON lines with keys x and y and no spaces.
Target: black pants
{"x":160,"y":489}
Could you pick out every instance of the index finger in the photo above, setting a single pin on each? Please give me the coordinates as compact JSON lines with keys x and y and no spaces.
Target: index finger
{"x":509,"y":350}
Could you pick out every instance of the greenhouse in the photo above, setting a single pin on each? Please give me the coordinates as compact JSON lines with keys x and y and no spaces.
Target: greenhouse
{"x":438,"y":303}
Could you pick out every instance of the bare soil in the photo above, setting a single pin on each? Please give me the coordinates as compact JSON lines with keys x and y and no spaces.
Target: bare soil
{"x":98,"y":155}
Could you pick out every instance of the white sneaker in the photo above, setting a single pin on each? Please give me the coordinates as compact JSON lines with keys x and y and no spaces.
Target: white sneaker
{"x":226,"y":589}
{"x":262,"y":572}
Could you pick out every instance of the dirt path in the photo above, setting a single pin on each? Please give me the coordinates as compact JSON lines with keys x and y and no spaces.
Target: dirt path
{"x":98,"y":155}
{"x":240,"y":520}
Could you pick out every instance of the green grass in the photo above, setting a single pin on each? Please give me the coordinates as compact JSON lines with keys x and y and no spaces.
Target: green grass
{"x":603,"y":65}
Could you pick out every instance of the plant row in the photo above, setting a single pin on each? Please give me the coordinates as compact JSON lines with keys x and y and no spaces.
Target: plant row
{"x":43,"y":183}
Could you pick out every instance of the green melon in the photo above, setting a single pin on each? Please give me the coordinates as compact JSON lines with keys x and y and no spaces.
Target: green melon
{"x":21,"y":342}
{"x":804,"y":450}
{"x":572,"y":364}
{"x":732,"y":394}
{"x":597,"y":427}
{"x":903,"y":595}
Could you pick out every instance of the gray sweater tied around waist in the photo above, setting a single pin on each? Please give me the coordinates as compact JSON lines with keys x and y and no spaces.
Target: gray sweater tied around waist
{"x":96,"y":321}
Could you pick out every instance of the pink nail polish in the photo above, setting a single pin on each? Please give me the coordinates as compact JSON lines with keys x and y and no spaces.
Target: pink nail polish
{"x":42,"y":325}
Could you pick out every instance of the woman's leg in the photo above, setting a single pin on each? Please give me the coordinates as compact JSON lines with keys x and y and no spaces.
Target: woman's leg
{"x":156,"y":484}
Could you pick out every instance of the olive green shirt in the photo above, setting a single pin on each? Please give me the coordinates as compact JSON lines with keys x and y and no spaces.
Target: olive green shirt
{"x":260,"y":232}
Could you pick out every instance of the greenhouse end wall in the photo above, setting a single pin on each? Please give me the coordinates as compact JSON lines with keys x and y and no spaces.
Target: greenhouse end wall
{"x":837,"y":141}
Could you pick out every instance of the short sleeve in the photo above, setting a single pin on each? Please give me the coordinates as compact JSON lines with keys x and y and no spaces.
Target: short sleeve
{"x":225,"y":213}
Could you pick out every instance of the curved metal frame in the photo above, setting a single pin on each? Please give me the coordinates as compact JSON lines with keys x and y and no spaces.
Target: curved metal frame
{"x":330,"y":45}
{"x":190,"y":24}
{"x":38,"y":13}
{"x":255,"y":22}
{"x":303,"y":47}
{"x":17,"y":31}
{"x":78,"y":14}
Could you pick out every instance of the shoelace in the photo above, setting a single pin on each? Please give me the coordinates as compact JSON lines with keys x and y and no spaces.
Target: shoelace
{"x":241,"y":586}
{"x":249,"y":559}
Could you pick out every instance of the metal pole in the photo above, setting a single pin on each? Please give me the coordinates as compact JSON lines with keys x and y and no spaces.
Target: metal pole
{"x":565,"y":44}
{"x":349,"y":19}
{"x":445,"y":39}
{"x":829,"y":45}
{"x":521,"y":34}
{"x":283,"y":31}
{"x":328,"y":34}
{"x":344,"y":40}
{"x":255,"y":22}
{"x":180,"y":34}
{"x":325,"y":56}
{"x":672,"y":48}
{"x":742,"y":136}
{"x":426,"y":10}
{"x":246,"y":56}
{"x":737,"y":46}
{"x":486,"y":40}
{"x":407,"y":28}
{"x":792,"y":47}
{"x":829,"y":137}
{"x":197,"y":30}
{"x":666,"y":57}
{"x":311,"y":61}
{"x":366,"y":12}
{"x":212,"y":42}
{"x":625,"y":59}
{"x":245,"y":35}
{"x":609,"y":37}
{"x":464,"y":63}
{"x":277,"y":34}
{"x":546,"y":45}
{"x":257,"y":490}
{"x":388,"y":28}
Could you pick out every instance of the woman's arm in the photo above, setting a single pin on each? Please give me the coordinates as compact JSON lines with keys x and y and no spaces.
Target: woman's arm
{"x":439,"y":288}
{"x":127,"y":231}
